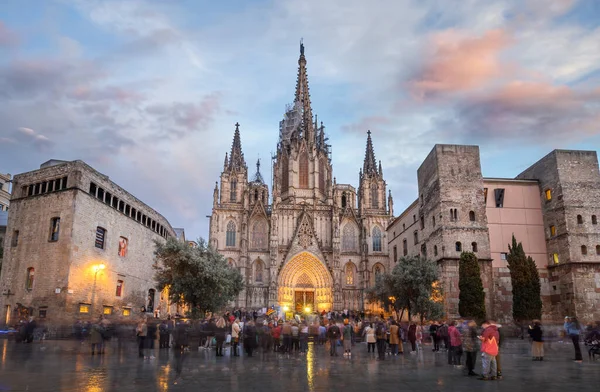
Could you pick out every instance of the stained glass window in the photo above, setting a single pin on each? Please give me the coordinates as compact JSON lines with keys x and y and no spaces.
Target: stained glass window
{"x":230,"y":238}
{"x":349,"y":238}
{"x":259,"y":235}
{"x":376,"y":240}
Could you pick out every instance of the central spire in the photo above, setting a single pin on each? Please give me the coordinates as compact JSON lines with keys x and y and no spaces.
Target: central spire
{"x":370,"y":165}
{"x":302,"y":97}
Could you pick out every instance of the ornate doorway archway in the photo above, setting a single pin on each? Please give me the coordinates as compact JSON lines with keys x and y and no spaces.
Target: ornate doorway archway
{"x":305,"y":283}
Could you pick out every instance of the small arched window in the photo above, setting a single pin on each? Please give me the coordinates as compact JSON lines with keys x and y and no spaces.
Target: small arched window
{"x":433,"y":221}
{"x":424,"y":250}
{"x":455,"y":214}
{"x":458,"y":246}
{"x":598,"y":250}
{"x":344,"y":200}
{"x":304,"y":170}
{"x":230,"y":236}
{"x":256,"y":195}
{"x":579,"y":220}
{"x":435,"y":251}
{"x":474,"y":246}
{"x":583,"y":250}
{"x":377,"y":270}
{"x":376,"y":240}
{"x":258,"y":271}
{"x":30,"y":278}
{"x":472,"y":216}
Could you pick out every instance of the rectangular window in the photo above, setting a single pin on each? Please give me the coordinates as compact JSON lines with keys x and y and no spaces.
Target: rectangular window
{"x":416,"y":235}
{"x":499,"y":197}
{"x":107,"y":310}
{"x":115,"y":202}
{"x":54,"y":229}
{"x":100,"y":236}
{"x":107,"y":198}
{"x":30,"y":190}
{"x":15,"y":238}
{"x":126,"y":311}
{"x":100,"y":194}
{"x":503,"y":256}
{"x":484,"y":195}
{"x":63,"y":183}
{"x":119,"y":291}
{"x":93,"y":188}
{"x":555,"y":258}
{"x":552,"y":231}
{"x":123,"y":246}
{"x":43,"y":312}
{"x":548,"y":193}
{"x":44,"y":187}
{"x":404,"y":247}
{"x":395,"y":253}
{"x":84,"y":308}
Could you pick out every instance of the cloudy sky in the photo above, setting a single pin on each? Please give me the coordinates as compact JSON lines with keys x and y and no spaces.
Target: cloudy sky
{"x":148,"y":91}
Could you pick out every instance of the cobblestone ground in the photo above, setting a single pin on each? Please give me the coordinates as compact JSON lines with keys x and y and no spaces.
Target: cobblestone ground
{"x":68,"y":366}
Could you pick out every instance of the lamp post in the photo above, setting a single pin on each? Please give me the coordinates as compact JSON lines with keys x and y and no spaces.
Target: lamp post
{"x":96,"y":268}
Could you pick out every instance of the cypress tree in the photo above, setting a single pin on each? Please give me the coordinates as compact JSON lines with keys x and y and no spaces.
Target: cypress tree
{"x":471,"y":297}
{"x":526,"y":287}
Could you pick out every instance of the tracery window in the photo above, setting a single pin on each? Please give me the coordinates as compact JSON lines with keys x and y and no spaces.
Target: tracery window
{"x":349,"y":274}
{"x":230,"y":236}
{"x":259,"y":235}
{"x":304,"y":170}
{"x":349,"y":238}
{"x":258,"y":271}
{"x":233,"y":191}
{"x":376,"y":240}
{"x":374,"y":196}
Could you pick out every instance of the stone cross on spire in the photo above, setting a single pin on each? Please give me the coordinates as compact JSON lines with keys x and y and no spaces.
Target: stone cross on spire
{"x":236,"y":157}
{"x":370,"y":165}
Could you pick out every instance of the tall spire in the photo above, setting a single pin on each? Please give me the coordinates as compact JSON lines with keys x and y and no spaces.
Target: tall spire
{"x":302,"y":96}
{"x":258,"y":177}
{"x":236,"y":157}
{"x":370,"y":165}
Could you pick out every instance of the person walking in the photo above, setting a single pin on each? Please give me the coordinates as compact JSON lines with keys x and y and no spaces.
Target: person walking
{"x":250,"y":337}
{"x":489,"y":351}
{"x":369,"y":334}
{"x":141,"y":332}
{"x":470,"y":344}
{"x":347,"y":338}
{"x":333,"y":334}
{"x":572,"y":329}
{"x":394,"y":337}
{"x":220,"y":335}
{"x":380,"y":335}
{"x":295,"y":337}
{"x":412,"y":337}
{"x":455,"y":345}
{"x":163,"y":333}
{"x":97,"y":338}
{"x":537,"y":341}
{"x":303,"y":337}
{"x":286,"y":331}
{"x":435,"y":340}
{"x":151,"y":331}
{"x":235,"y":337}
{"x":442,"y":334}
{"x":180,"y":345}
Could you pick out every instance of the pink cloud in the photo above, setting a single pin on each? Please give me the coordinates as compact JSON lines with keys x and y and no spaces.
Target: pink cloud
{"x":7,"y":36}
{"x":458,"y":62}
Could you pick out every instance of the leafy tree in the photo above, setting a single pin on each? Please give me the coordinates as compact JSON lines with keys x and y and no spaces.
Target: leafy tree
{"x":526,"y":287}
{"x":412,"y":285}
{"x":195,"y":276}
{"x":471,"y":297}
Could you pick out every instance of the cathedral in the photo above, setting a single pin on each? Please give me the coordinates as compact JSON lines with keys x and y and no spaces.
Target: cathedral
{"x":313,"y":244}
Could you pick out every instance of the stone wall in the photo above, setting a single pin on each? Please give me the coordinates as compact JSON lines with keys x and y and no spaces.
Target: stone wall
{"x":66,"y":272}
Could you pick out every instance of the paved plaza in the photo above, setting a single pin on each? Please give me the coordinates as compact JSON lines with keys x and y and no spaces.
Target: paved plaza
{"x":68,"y":366}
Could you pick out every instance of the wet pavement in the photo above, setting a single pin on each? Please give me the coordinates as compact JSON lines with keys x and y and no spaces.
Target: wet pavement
{"x":68,"y":366}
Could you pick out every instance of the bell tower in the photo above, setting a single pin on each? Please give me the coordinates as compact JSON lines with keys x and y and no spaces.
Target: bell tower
{"x":235,"y":173}
{"x":372,"y":186}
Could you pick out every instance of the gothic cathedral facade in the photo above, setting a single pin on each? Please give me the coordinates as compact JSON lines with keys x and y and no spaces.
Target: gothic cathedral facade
{"x":313,"y":244}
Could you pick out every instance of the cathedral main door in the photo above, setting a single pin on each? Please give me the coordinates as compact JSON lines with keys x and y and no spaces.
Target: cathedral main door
{"x":305,"y":283}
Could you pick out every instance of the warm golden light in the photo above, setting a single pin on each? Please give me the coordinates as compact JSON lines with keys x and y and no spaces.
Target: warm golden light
{"x":307,"y":309}
{"x":99,"y":267}
{"x":286,"y":308}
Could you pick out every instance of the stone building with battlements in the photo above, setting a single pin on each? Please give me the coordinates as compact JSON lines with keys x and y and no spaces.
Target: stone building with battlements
{"x":77,"y":246}
{"x":552,"y":208}
{"x":313,"y":244}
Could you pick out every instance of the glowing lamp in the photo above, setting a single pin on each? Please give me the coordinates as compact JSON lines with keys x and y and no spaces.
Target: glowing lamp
{"x":99,"y":267}
{"x":286,"y":308}
{"x":307,"y":309}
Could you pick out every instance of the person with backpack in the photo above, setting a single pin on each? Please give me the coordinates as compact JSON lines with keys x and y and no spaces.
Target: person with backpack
{"x":347,"y":338}
{"x":489,"y":351}
{"x":381,"y":335}
{"x":333,"y":334}
{"x":573,"y":330}
{"x":537,"y":341}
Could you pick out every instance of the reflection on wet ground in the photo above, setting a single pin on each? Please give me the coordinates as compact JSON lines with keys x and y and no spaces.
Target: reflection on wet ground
{"x":68,"y":366}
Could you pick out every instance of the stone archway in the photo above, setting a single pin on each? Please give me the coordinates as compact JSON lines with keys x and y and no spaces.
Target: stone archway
{"x":306,"y":277}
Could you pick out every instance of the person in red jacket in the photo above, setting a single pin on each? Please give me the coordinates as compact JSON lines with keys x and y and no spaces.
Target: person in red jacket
{"x":489,"y":350}
{"x":455,"y":344}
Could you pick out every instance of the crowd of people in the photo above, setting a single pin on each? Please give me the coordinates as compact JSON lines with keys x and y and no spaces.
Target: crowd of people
{"x":339,"y":331}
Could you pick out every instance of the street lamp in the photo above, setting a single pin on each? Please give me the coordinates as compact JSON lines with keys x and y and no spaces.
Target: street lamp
{"x":286,"y":308}
{"x":99,"y":267}
{"x":307,"y":309}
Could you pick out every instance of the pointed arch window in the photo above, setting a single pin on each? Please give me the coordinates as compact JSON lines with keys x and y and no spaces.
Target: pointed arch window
{"x":374,"y":196}
{"x":349,"y":238}
{"x":285,"y":173}
{"x":233,"y":191}
{"x":344,"y":200}
{"x":376,"y":239}
{"x":230,"y":236}
{"x":259,"y":235}
{"x":303,"y":170}
{"x":349,"y":274}
{"x":258,"y":271}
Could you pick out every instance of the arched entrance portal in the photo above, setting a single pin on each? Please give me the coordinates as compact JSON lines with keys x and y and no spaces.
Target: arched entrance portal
{"x":305,"y":282}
